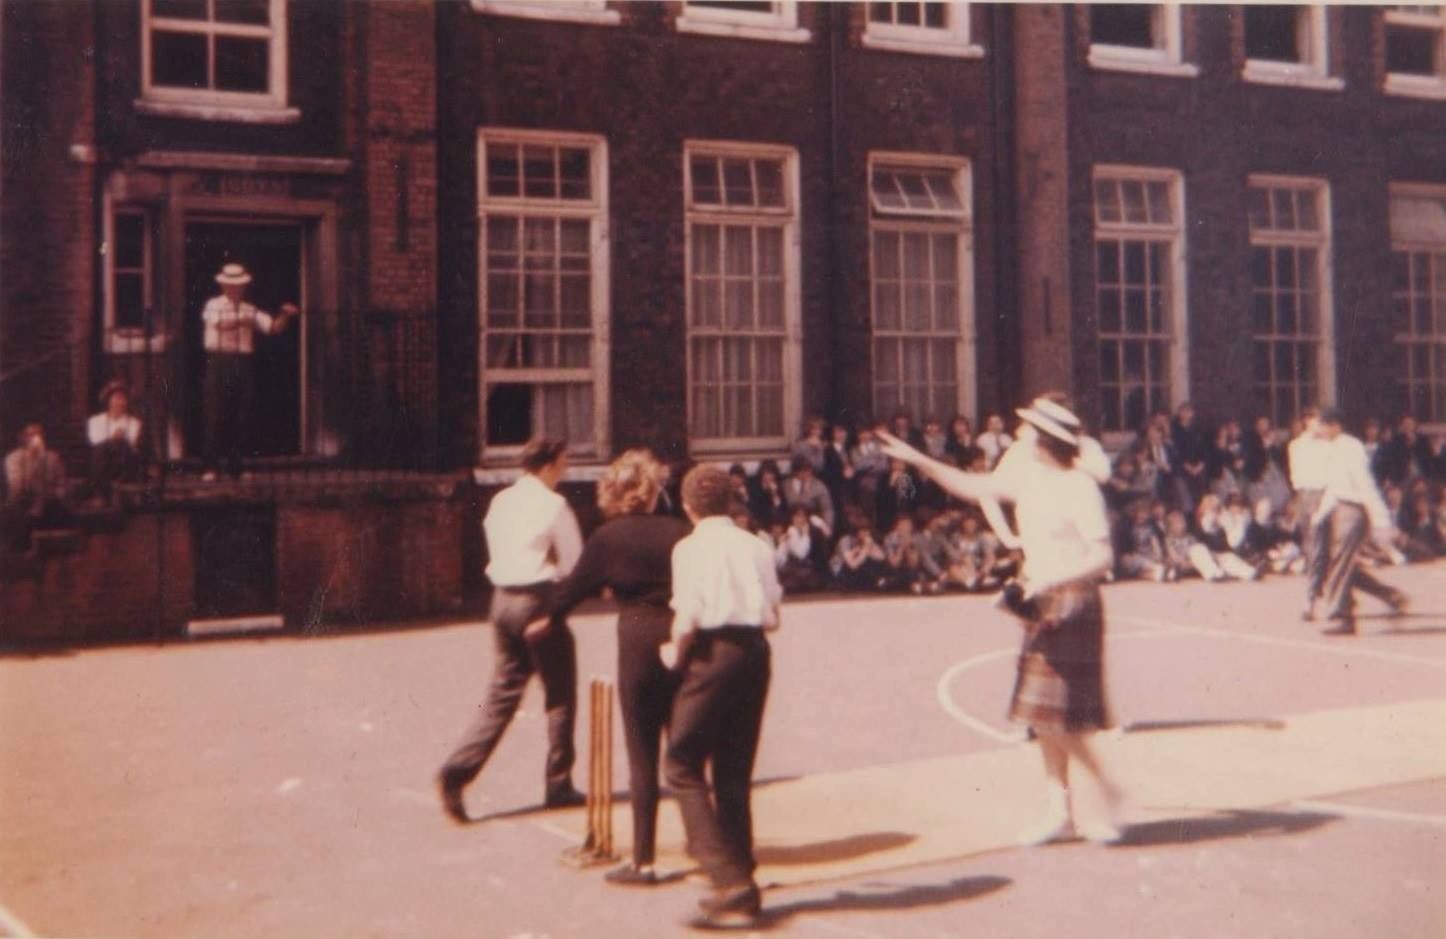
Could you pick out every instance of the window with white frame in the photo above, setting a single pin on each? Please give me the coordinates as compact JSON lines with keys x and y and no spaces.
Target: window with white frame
{"x":1139,"y":293}
{"x":1290,"y":312}
{"x":216,"y":52}
{"x":1418,"y":301}
{"x":1137,"y":37}
{"x":743,"y":304}
{"x":130,"y":281}
{"x":1288,"y":45}
{"x":745,"y":19}
{"x":920,"y":273}
{"x":575,"y":11}
{"x":1416,"y":50}
{"x":542,"y":211}
{"x":927,"y":26}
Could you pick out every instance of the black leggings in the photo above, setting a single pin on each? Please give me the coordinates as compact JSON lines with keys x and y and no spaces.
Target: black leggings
{"x":645,"y":691}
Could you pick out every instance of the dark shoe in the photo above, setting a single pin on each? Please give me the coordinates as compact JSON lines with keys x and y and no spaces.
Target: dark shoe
{"x":565,"y":799}
{"x":628,"y":875}
{"x":730,"y":908}
{"x":451,"y":793}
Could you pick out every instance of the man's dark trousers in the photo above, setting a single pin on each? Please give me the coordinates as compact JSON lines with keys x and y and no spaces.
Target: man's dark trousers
{"x":549,"y":652}
{"x":717,"y":716}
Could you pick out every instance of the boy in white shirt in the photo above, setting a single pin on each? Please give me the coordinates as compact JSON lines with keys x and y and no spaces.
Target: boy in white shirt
{"x":725,"y":594}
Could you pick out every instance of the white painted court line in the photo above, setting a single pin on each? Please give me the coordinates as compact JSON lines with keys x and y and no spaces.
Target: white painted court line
{"x":1347,"y":649}
{"x":11,"y":925}
{"x":1363,"y":811}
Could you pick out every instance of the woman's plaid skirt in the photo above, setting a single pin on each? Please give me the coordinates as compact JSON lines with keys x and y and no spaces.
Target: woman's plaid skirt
{"x":1060,"y":680}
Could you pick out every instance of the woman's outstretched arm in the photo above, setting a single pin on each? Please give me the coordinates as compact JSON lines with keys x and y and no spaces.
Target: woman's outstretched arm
{"x":972,"y":486}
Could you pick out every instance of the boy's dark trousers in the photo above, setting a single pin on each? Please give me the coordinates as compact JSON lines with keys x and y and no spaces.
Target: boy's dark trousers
{"x":716,"y":718}
{"x":549,"y":653}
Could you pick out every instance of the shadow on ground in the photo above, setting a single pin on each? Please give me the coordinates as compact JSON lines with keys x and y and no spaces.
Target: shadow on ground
{"x":839,"y":849}
{"x":1258,"y":723}
{"x":1236,"y":823}
{"x":875,"y":897}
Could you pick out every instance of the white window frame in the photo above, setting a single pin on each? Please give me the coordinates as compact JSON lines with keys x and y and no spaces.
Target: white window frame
{"x":781,"y":25}
{"x":1314,"y":72}
{"x":1417,"y":86}
{"x":595,"y":210}
{"x":1179,"y":314}
{"x":591,"y":12}
{"x":952,"y":39}
{"x":128,"y":340}
{"x":268,"y":107}
{"x":1322,"y":241}
{"x":962,"y":225}
{"x":792,"y":287}
{"x":1408,"y":191}
{"x":1166,"y":58}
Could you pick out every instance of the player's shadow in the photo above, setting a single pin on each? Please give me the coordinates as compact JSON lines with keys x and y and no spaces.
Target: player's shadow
{"x":1258,"y":723}
{"x":1233,"y":823}
{"x":839,"y":849}
{"x":874,"y":897}
{"x":1408,"y":624}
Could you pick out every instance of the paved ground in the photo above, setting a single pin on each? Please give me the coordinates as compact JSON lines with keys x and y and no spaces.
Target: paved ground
{"x":1286,"y":784}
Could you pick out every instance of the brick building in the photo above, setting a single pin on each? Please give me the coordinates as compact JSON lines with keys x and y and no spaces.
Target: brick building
{"x":690,"y":224}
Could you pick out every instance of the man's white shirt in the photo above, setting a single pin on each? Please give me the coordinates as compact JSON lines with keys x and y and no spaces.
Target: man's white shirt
{"x":1307,"y":455}
{"x":240,"y":339}
{"x":723,"y":576}
{"x":1347,"y":478}
{"x":102,"y":428}
{"x":532,"y":535}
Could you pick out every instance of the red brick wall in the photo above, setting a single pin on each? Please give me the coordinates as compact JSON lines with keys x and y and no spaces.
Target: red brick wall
{"x":47,"y":241}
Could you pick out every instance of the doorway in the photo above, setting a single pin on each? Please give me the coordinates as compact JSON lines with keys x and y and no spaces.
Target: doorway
{"x":272,"y":253}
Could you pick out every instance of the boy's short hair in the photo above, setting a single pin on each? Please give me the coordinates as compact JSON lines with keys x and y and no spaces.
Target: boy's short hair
{"x":541,"y":452}
{"x":708,"y":491}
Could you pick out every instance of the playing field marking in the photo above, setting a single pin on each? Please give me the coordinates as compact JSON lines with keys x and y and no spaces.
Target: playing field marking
{"x":1364,"y":811}
{"x":1346,"y":650}
{"x":11,"y":925}
{"x":983,"y":728}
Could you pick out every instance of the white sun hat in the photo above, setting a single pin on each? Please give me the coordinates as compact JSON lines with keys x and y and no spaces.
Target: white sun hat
{"x":1051,"y":418}
{"x":233,"y":274}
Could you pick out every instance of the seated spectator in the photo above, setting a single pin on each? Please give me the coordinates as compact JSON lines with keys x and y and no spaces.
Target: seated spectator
{"x":811,"y":445}
{"x":936,"y":445}
{"x":909,"y":565}
{"x":1191,"y":456}
{"x":898,"y":495}
{"x":1406,"y":455}
{"x":859,"y":561}
{"x":961,"y":447}
{"x":801,"y":552}
{"x":742,"y":494}
{"x":115,"y":443}
{"x":1181,"y":548}
{"x":1157,"y":464}
{"x":35,"y":489}
{"x":1143,"y":545}
{"x":976,"y":553}
{"x":804,"y":490}
{"x":768,"y":505}
{"x":1227,"y":462}
{"x":1268,"y":544}
{"x":994,"y":441}
{"x":1371,"y":441}
{"x":1420,"y":534}
{"x":1125,"y":487}
{"x":1264,"y":467}
{"x":1213,"y":556}
{"x":903,"y":427}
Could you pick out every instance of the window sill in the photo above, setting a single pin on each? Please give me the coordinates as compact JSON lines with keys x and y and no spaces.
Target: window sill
{"x":1416,"y":86}
{"x":124,"y":342}
{"x":1109,"y":61}
{"x":688,"y":24}
{"x":922,"y":46}
{"x":1287,"y":77}
{"x":218,"y":112}
{"x":496,"y":475}
{"x":559,"y":12}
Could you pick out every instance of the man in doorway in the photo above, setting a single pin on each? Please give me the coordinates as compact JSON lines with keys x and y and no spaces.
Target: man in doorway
{"x":230,"y":326}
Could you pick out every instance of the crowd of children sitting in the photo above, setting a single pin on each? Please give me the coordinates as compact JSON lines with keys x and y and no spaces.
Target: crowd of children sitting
{"x":1183,"y":502}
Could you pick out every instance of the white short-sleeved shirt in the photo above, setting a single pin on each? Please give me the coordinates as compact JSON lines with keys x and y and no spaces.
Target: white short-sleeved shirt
{"x":240,"y":340}
{"x":1309,"y":458}
{"x":532,"y":535}
{"x":1060,"y":514}
{"x":723,"y":576}
{"x":102,"y":428}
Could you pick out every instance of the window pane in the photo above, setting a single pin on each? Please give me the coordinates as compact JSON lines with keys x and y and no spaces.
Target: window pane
{"x":1158,"y":193}
{"x":886,"y":190}
{"x":509,"y":414}
{"x":1110,"y":407}
{"x":502,"y":300}
{"x":916,"y":192}
{"x":1109,"y":362}
{"x":1118,"y":24}
{"x":1107,"y":262}
{"x":1284,"y":203}
{"x":946,"y":308}
{"x":539,"y":178}
{"x":1305,"y":205}
{"x":254,"y":12}
{"x":769,"y":175}
{"x":881,"y":12}
{"x":738,"y":182}
{"x":737,"y":251}
{"x":941,"y":186}
{"x":1412,"y":51}
{"x":1135,"y":311}
{"x":886,"y":255}
{"x":1134,"y":262}
{"x":130,"y":240}
{"x":130,"y":301}
{"x":706,"y":190}
{"x":886,"y":306}
{"x":1262,"y":318}
{"x":1109,"y":312}
{"x":1135,"y":408}
{"x":178,"y":60}
{"x":503,"y":170}
{"x":1271,"y":33}
{"x":575,"y":302}
{"x":916,"y":255}
{"x":936,"y":15}
{"x":1132,"y":191}
{"x":242,"y":64}
{"x":1107,"y":200}
{"x":179,"y":9}
{"x":1284,"y":267}
{"x":573,"y":166}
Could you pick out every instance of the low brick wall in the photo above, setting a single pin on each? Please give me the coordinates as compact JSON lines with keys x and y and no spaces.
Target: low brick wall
{"x":109,"y":584}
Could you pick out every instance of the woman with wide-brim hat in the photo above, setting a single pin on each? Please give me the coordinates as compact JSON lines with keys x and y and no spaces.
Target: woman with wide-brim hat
{"x":1063,"y":530}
